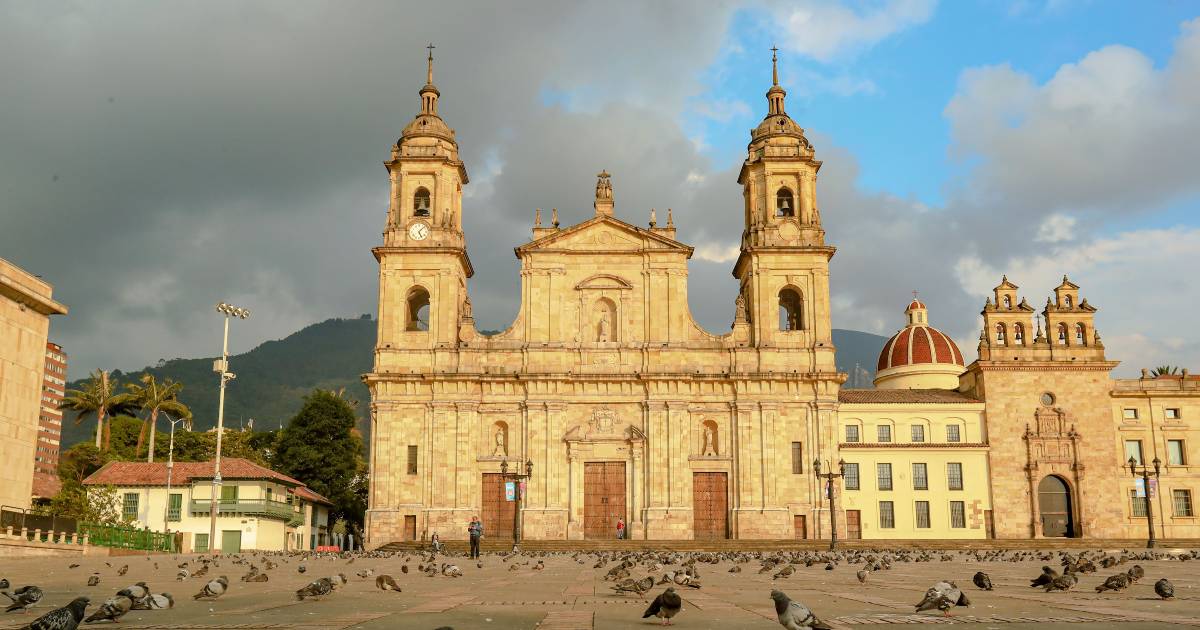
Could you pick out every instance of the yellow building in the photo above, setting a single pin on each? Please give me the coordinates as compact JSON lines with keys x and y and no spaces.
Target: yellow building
{"x":26,"y":304}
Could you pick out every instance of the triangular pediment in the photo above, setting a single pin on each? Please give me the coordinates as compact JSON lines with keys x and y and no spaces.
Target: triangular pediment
{"x":604,"y":234}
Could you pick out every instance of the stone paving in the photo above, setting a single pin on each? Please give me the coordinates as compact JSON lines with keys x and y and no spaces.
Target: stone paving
{"x":569,"y":595}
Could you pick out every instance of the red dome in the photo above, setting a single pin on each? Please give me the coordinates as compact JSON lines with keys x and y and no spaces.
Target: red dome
{"x":919,"y":344}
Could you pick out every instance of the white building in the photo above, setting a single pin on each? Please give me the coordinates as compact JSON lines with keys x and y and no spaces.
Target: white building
{"x":258,"y":507}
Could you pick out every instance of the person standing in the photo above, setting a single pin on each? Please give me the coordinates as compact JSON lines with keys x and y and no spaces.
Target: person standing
{"x":620,"y":528}
{"x":475,"y":530}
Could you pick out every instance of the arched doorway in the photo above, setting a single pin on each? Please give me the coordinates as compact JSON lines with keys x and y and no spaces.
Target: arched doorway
{"x":1054,"y":503}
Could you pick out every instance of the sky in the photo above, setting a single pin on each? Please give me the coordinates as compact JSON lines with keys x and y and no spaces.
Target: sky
{"x":157,"y":158}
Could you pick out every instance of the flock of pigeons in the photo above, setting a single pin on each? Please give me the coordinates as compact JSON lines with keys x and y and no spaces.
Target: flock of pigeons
{"x":672,"y":569}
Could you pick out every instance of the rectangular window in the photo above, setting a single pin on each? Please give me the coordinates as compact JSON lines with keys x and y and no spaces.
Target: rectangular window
{"x":268,"y":494}
{"x":887,"y":515}
{"x":958,"y":515}
{"x":1133,"y":449}
{"x":852,"y":433}
{"x":884,"y":472}
{"x":412,"y":459}
{"x":1176,"y":456}
{"x":851,"y":478}
{"x":229,"y":493}
{"x":884,"y":432}
{"x":918,"y":433}
{"x":922,"y":514}
{"x":174,"y":507}
{"x":1137,"y":505}
{"x":797,"y":458}
{"x":1183,"y":502}
{"x":920,"y":477}
{"x":1130,"y":414}
{"x":954,"y":478}
{"x":129,"y":506}
{"x":952,"y":433}
{"x":1171,"y":413}
{"x":201,"y":543}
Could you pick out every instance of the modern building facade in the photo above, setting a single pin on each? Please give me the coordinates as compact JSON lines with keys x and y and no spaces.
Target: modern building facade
{"x":258,"y":508}
{"x":45,"y":457}
{"x":619,"y":406}
{"x":26,"y":305}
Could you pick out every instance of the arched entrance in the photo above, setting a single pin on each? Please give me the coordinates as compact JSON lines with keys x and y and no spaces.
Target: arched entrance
{"x":1054,"y":503}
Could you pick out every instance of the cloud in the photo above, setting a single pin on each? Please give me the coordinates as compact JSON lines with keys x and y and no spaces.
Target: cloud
{"x":1056,"y":228}
{"x":721,"y":110}
{"x":825,"y":31}
{"x":717,"y":252}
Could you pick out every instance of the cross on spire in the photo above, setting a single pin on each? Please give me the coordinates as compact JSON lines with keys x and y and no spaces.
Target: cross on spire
{"x":774,"y":65}
{"x":914,"y":294}
{"x":429,"y":76}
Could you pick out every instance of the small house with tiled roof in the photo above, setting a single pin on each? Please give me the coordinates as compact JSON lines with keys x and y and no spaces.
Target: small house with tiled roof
{"x":257,"y":508}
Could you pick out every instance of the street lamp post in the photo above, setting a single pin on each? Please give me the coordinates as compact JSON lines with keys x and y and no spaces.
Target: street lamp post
{"x":1145,"y":475}
{"x":171,"y":468}
{"x":517,"y":477}
{"x":829,"y":477}
{"x":221,"y":367}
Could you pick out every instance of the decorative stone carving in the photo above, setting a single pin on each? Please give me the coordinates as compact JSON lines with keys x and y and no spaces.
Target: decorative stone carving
{"x":710,"y":448}
{"x":603,"y":328}
{"x":501,"y":449}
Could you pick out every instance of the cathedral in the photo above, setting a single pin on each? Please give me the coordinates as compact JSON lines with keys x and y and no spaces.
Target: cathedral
{"x":605,"y":402}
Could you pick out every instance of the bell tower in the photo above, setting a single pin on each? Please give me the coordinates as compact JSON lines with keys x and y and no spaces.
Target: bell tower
{"x":783,"y":268}
{"x":423,"y":262}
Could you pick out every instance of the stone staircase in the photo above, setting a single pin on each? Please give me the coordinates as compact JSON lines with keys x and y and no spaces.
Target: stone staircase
{"x":505,"y":544}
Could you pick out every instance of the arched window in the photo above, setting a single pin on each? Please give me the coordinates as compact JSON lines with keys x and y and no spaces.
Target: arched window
{"x":1018,"y":334}
{"x":1001,"y":335}
{"x":791,"y":309}
{"x":421,"y":202}
{"x":785,"y":203}
{"x":416,"y":315}
{"x":1007,"y":302}
{"x":1080,"y":335}
{"x":1062,"y":334}
{"x":1067,"y":301}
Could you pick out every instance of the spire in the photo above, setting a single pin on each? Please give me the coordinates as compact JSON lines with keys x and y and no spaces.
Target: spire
{"x":775,"y":94}
{"x":774,"y":67}
{"x":429,"y":93}
{"x":429,"y":75}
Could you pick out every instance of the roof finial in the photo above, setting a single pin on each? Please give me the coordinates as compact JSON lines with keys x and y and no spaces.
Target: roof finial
{"x":429,"y":75}
{"x":774,"y":65}
{"x":914,"y":295}
{"x":670,"y":219}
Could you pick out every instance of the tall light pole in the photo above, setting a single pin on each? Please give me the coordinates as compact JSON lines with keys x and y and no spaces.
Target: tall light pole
{"x":829,"y":477}
{"x":171,"y":468}
{"x":221,"y":367}
{"x":1145,"y":475}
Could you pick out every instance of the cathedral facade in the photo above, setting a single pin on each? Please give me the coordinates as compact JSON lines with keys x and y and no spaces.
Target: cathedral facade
{"x":604,"y":401}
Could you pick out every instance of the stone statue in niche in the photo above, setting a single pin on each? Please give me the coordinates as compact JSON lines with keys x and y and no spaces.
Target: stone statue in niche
{"x":603,"y":328}
{"x":501,"y":449}
{"x":466,"y":308}
{"x":739,"y":310}
{"x":710,"y":447}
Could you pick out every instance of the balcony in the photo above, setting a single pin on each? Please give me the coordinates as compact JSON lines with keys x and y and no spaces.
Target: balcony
{"x":256,"y":507}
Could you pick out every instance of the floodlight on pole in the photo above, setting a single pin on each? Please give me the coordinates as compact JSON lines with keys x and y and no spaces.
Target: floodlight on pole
{"x":221,"y":367}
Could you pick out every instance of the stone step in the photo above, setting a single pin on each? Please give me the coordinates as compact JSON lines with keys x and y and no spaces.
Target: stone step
{"x":494,"y":545}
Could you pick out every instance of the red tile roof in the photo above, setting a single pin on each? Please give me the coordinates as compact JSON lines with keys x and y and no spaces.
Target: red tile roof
{"x":145,"y":474}
{"x":45,"y":486}
{"x":306,"y":493}
{"x":918,"y":344}
{"x":912,"y":396}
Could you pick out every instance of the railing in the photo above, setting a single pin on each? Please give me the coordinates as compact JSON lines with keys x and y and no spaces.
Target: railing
{"x":253,"y":507}
{"x":127,"y":537}
{"x":20,"y":518}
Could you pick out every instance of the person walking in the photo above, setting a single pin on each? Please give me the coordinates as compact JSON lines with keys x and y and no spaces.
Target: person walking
{"x":475,"y":529}
{"x":620,"y":528}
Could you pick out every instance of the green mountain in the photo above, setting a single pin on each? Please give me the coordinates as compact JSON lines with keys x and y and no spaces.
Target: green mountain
{"x":274,"y":377}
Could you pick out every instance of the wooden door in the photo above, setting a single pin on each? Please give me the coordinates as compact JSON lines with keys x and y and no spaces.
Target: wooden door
{"x":1054,"y":503}
{"x":853,"y":524}
{"x":410,"y":527}
{"x":231,"y":541}
{"x":800,"y":523}
{"x":709,"y":505}
{"x":603,"y":498}
{"x":498,"y":514}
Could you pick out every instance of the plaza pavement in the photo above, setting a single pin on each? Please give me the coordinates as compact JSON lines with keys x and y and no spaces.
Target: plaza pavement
{"x":569,"y":595}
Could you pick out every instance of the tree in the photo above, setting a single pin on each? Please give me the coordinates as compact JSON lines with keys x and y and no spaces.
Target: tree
{"x":97,"y":504}
{"x":79,"y":461}
{"x":153,"y":397}
{"x":320,"y":447}
{"x":1166,"y":370}
{"x":98,"y":396}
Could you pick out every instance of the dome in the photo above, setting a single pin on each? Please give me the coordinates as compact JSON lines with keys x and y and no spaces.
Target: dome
{"x":426,"y":125}
{"x":919,"y":356}
{"x":779,"y":125}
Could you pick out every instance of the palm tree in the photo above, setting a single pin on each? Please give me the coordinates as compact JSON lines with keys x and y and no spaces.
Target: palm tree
{"x":98,"y":396}
{"x":1166,"y":370}
{"x":153,"y":397}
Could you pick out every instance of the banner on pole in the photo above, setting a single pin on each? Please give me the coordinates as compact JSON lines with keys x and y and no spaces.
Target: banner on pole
{"x":510,"y":491}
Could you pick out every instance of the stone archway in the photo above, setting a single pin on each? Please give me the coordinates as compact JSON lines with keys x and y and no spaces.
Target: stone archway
{"x":1054,"y":505}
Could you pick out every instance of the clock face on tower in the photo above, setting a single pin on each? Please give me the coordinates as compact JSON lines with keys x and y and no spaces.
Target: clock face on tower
{"x":418,"y":231}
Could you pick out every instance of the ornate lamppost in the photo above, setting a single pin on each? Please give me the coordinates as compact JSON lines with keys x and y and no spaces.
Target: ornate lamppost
{"x":516,"y":478}
{"x":1145,"y":475}
{"x":829,"y":477}
{"x":187,"y":424}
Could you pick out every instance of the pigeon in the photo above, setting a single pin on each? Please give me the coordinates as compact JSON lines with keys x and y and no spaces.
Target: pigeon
{"x":4,"y":584}
{"x":316,"y":588}
{"x":73,"y":566}
{"x":112,"y":609}
{"x":65,"y":618}
{"x":123,"y":570}
{"x":160,"y":601}
{"x":943,"y":596}
{"x":1136,"y":573}
{"x":301,"y":569}
{"x":340,"y":580}
{"x":1118,"y":582}
{"x":183,"y":575}
{"x":23,"y":598}
{"x":982,"y":580}
{"x":1164,"y":589}
{"x":1063,"y":582}
{"x":135,"y":592}
{"x":214,"y":588}
{"x":387,"y":583}
{"x":666,"y":605}
{"x":1047,"y":575}
{"x":794,"y":615}
{"x":258,"y":577}
{"x":93,"y":580}
{"x":863,"y":574}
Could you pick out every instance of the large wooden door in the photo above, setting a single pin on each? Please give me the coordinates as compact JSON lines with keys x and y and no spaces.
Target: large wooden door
{"x":709,"y":505}
{"x":603,"y":498}
{"x":231,"y":541}
{"x":410,"y":527}
{"x":498,"y":514}
{"x":853,"y":524}
{"x":1054,"y":503}
{"x":800,"y":524}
